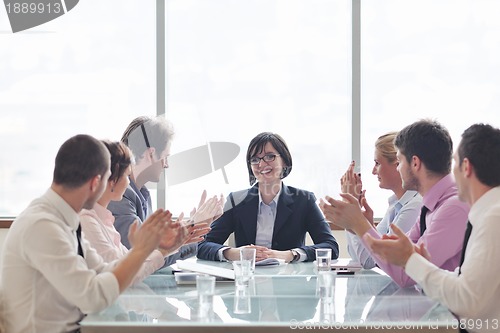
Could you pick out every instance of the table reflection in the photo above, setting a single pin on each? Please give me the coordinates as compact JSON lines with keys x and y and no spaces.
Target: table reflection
{"x":276,"y":296}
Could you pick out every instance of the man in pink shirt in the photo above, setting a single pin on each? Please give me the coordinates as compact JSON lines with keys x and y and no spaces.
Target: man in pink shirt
{"x":424,"y":154}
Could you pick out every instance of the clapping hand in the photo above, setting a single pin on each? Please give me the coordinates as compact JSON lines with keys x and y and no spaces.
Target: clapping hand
{"x":367,"y":210}
{"x":345,"y":213}
{"x":152,"y":232}
{"x":196,"y":231}
{"x":351,"y":182}
{"x":208,"y":210}
{"x":173,"y":237}
{"x":395,"y":248}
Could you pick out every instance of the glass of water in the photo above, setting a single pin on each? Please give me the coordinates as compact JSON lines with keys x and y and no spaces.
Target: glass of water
{"x":323,"y":259}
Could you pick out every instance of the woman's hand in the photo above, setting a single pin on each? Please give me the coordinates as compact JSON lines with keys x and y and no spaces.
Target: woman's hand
{"x":208,"y":210}
{"x":233,"y":254}
{"x":287,"y":255}
{"x":367,"y":210}
{"x":196,"y":232}
{"x":351,"y":182}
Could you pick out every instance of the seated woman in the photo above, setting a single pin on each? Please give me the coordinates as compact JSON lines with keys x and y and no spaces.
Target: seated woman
{"x":98,"y":223}
{"x":404,"y":206}
{"x":271,"y":217}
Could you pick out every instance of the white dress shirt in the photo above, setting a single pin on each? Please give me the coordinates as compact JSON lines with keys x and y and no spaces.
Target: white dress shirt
{"x":47,"y":286}
{"x":403,"y":213}
{"x":266,"y":216}
{"x":474,"y":295}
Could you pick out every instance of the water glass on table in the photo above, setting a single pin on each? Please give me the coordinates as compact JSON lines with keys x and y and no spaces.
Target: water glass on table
{"x":242,"y":302}
{"x":325,"y":289}
{"x":326,"y":285}
{"x":205,"y":286}
{"x":323,"y":259}
{"x":248,"y":253}
{"x":242,"y":273}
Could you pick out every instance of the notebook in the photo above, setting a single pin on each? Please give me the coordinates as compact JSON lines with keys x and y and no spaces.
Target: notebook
{"x":190,"y":278}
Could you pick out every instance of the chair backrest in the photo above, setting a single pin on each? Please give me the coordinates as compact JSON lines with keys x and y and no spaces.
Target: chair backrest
{"x":230,"y":241}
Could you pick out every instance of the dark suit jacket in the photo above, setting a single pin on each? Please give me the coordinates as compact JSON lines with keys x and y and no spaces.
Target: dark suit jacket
{"x":297,"y":213}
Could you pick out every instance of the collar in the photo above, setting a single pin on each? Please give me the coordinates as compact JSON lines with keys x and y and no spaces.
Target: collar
{"x":104,"y":214}
{"x":407,"y":197}
{"x":392,"y":200}
{"x":143,"y":192}
{"x":275,"y":199}
{"x":484,"y":204}
{"x":436,"y":193}
{"x":68,"y":214}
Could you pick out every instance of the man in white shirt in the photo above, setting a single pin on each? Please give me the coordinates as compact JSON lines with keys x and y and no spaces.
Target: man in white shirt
{"x":472,"y":291}
{"x":51,"y":276}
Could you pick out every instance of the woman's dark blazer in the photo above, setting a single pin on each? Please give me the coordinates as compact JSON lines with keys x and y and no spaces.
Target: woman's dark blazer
{"x":297,"y":213}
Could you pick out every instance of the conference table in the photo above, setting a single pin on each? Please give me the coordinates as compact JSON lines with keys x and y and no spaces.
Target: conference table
{"x":282,"y":298}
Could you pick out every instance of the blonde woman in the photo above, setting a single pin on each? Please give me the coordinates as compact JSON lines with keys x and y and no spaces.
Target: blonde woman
{"x":404,"y":205}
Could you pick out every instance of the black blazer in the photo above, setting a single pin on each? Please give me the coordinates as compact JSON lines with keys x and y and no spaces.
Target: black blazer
{"x":296,"y":214}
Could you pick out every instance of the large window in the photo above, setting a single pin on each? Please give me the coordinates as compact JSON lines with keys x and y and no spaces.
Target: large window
{"x":238,"y":68}
{"x":89,"y":71}
{"x":433,"y":59}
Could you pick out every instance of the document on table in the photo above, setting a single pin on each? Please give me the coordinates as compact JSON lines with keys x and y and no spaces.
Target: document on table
{"x":192,"y":266}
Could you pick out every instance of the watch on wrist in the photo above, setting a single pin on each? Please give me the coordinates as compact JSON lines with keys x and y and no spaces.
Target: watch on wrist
{"x":296,"y":256}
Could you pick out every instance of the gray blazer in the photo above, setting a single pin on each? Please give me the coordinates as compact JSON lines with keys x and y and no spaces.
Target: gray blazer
{"x":134,"y":206}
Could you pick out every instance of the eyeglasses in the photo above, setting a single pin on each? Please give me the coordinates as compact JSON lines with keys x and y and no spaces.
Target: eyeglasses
{"x":266,"y":158}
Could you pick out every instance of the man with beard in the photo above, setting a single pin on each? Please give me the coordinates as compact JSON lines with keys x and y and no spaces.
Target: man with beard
{"x":51,"y":276}
{"x":424,"y":155}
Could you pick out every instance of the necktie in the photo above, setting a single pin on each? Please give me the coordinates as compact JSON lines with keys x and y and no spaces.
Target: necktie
{"x":466,"y":240}
{"x":423,"y":225}
{"x":79,"y":239}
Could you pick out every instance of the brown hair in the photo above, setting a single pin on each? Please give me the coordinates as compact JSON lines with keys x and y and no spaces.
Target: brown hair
{"x":121,"y":158}
{"x":79,"y":159}
{"x":257,"y":145}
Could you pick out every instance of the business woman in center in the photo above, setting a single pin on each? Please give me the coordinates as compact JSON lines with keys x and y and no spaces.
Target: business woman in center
{"x":270,"y":216}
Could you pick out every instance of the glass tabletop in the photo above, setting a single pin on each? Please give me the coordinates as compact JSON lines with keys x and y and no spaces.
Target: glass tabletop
{"x":285,"y":297}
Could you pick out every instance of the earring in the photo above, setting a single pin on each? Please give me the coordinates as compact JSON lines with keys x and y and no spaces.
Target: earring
{"x":112,"y":188}
{"x":283,"y":172}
